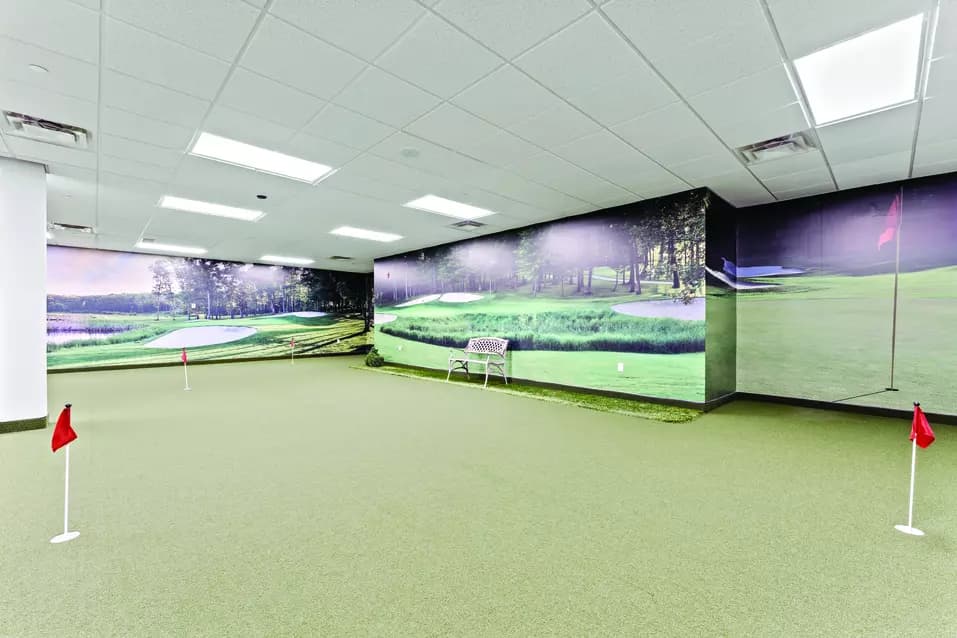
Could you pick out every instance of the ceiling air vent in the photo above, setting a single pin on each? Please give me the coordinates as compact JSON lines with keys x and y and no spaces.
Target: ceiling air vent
{"x":340,"y":258}
{"x":46,"y":131}
{"x":777,"y":148}
{"x":467,"y":225}
{"x":72,"y":228}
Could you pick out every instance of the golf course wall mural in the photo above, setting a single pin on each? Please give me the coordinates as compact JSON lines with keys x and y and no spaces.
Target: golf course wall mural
{"x":816,"y":296}
{"x":612,"y":300}
{"x":107,"y":308}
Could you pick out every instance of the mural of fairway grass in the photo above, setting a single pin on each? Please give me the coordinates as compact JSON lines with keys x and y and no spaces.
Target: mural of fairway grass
{"x":567,"y":330}
{"x":271,"y":339}
{"x":782,"y":334}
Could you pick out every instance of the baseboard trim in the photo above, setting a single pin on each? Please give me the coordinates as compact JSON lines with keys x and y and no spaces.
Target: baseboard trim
{"x":21,"y":425}
{"x":949,"y":419}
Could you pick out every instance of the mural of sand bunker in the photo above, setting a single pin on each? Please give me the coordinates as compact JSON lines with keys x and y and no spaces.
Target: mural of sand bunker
{"x":200,"y":336}
{"x":673,"y":310}
{"x":304,"y":314}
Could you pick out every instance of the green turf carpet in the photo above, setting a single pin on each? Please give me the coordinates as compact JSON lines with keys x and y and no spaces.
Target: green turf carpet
{"x":318,"y":500}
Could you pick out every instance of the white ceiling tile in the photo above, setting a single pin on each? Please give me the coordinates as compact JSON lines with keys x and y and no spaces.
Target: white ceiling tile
{"x":554,"y":126}
{"x":592,"y":67}
{"x":346,"y":127}
{"x":319,"y":150}
{"x":698,"y":44}
{"x":56,"y":25}
{"x":208,"y":176}
{"x":122,"y":147}
{"x":38,"y":151}
{"x":942,"y":80}
{"x":802,"y":180}
{"x":702,"y":168}
{"x":79,"y":210}
{"x":136,"y":127}
{"x":201,"y":229}
{"x":528,"y":22}
{"x":47,"y":105}
{"x":656,"y":182}
{"x":739,"y":189}
{"x":505,"y":96}
{"x":353,"y":182}
{"x":160,"y":103}
{"x":133,"y":168}
{"x":286,"y":54}
{"x":936,"y":153}
{"x":362,"y":28}
{"x":746,"y":98}
{"x":607,"y":156}
{"x":438,"y":58}
{"x":257,"y":95}
{"x":454,"y":128}
{"x":947,"y":166}
{"x":946,"y":25}
{"x":3,"y":147}
{"x":878,"y":134}
{"x":872,"y":170}
{"x":65,"y":74}
{"x":553,"y":171}
{"x":246,"y":128}
{"x":824,"y":187}
{"x":670,"y":135}
{"x":150,"y":57}
{"x":808,"y":25}
{"x":386,"y":98}
{"x":89,"y":4}
{"x":188,"y":22}
{"x":810,"y":160}
{"x":937,"y":120}
{"x":762,"y":126}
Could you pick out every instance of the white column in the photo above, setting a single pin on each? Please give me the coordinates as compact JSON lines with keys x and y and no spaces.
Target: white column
{"x":23,"y":267}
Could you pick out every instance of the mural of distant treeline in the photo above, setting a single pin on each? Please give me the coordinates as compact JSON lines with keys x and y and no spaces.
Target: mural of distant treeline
{"x":107,"y":308}
{"x":816,"y":307}
{"x":575,"y":298}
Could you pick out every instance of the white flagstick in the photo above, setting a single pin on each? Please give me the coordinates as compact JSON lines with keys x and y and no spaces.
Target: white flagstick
{"x":186,"y":375}
{"x":67,"y":535}
{"x":909,"y":529}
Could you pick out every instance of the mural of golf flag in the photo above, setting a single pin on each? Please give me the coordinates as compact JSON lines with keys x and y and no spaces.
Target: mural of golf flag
{"x":892,"y":222}
{"x":185,"y":359}
{"x":63,"y":435}
{"x":292,"y":350}
{"x":921,"y":436}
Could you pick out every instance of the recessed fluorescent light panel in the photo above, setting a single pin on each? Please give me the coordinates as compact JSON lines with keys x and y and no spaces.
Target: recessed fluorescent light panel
{"x":448,"y":207}
{"x":279,"y":259}
{"x":223,"y":149}
{"x":209,"y":208}
{"x":864,"y":74}
{"x":170,"y":248}
{"x":361,"y":233}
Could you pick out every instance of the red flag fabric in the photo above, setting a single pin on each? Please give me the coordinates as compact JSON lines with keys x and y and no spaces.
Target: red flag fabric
{"x":63,"y":433}
{"x":292,"y":342}
{"x":920,"y":429}
{"x":891,"y":223}
{"x":183,"y":356}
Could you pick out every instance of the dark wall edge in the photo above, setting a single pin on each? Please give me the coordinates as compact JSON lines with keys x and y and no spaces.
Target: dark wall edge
{"x":949,"y":419}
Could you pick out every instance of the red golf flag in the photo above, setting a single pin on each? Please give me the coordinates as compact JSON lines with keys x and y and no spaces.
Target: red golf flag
{"x":292,"y":342}
{"x":183,"y":356}
{"x":891,"y":223}
{"x":63,"y":433}
{"x":920,"y":429}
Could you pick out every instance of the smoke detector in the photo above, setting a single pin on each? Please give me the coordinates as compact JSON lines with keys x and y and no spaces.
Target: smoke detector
{"x":46,"y":131}
{"x":776,"y":148}
{"x":71,"y":228}
{"x":467,"y":225}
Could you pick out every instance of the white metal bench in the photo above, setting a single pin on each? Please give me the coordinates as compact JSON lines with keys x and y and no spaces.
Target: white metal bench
{"x":488,"y":352}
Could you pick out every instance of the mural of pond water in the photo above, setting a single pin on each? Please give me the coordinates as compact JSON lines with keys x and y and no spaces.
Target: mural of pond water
{"x":70,"y":337}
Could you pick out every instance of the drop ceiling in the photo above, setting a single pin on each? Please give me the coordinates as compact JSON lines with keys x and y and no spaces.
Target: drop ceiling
{"x":536,"y":109}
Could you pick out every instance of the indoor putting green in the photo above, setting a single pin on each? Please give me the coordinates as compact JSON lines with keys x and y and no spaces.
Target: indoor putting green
{"x":318,"y":500}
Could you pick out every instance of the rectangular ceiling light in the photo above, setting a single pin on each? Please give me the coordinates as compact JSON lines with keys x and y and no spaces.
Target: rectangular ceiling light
{"x":864,"y":74}
{"x":209,"y":208}
{"x":361,"y":233}
{"x":279,"y":259}
{"x":448,"y":207}
{"x":170,"y":248}
{"x":230,"y":151}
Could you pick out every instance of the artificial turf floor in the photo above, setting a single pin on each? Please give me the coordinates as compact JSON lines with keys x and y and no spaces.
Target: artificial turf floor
{"x":317,"y":500}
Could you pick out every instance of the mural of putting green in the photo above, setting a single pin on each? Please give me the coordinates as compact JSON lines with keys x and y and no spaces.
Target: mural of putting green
{"x":112,"y":308}
{"x":816,"y":296}
{"x":612,"y":300}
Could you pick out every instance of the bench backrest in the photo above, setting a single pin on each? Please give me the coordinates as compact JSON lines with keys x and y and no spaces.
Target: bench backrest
{"x":487,"y":345}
